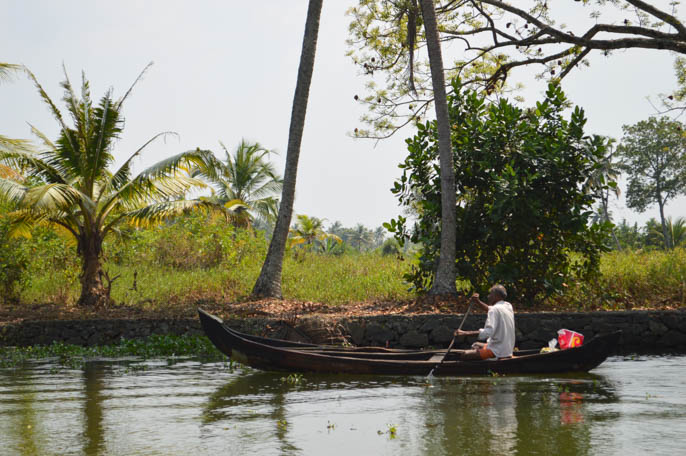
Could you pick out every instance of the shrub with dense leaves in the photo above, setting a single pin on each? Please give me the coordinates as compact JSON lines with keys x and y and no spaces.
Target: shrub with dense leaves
{"x":521,"y":209}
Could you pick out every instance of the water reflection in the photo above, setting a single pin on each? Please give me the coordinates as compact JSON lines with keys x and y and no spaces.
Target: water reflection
{"x":517,"y":415}
{"x":191,"y":407}
{"x":93,"y":380}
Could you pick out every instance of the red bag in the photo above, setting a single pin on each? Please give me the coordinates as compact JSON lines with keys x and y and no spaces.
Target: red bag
{"x":569,"y":339}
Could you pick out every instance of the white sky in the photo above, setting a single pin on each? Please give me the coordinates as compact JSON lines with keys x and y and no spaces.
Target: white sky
{"x":225,"y":70}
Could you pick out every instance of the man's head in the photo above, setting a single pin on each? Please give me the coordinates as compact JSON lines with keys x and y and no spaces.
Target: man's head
{"x":496,"y":293}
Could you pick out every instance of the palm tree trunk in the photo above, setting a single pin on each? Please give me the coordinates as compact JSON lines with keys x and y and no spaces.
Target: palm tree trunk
{"x":604,"y":198}
{"x":444,"y":282}
{"x":93,"y":293}
{"x":665,"y":232}
{"x":269,"y":282}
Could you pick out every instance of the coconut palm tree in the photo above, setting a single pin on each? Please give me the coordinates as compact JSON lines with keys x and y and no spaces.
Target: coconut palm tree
{"x":676,"y":230}
{"x":246,"y":184}
{"x":603,"y":179}
{"x":360,"y":236}
{"x":268,"y":283}
{"x":78,"y":194}
{"x":309,"y":232}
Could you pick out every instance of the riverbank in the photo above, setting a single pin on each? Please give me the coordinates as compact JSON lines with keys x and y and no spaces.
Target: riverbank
{"x":407,"y":325}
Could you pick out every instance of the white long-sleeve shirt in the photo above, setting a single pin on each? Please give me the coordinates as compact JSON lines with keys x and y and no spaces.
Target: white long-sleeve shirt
{"x":499,"y":329}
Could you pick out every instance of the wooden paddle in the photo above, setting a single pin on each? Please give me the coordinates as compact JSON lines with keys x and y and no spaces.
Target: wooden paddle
{"x":452,"y":342}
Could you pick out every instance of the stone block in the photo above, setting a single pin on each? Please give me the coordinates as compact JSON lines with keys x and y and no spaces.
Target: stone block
{"x":414,"y":339}
{"x":441,"y":335}
{"x":377,"y":335}
{"x":673,"y":339}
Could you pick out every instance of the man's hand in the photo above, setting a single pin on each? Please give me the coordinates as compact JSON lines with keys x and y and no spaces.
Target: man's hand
{"x":459,"y":332}
{"x":475,"y":299}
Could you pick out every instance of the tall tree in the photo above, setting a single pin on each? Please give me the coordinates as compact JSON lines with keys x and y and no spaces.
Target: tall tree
{"x":246,"y":183}
{"x":77,"y":192}
{"x":522,"y":207}
{"x":602,"y":181}
{"x":654,"y":153}
{"x":492,"y":38}
{"x":444,"y":282}
{"x":268,"y":283}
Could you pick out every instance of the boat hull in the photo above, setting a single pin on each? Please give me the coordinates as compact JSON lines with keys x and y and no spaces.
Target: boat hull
{"x":280,"y":355}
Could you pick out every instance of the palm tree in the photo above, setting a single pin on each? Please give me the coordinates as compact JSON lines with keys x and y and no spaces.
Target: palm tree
{"x":603,"y":180}
{"x":444,"y":281}
{"x":379,"y":236}
{"x":676,"y":230}
{"x":246,"y":182}
{"x":79,"y":195}
{"x":268,"y":284}
{"x":309,"y":231}
{"x":360,"y":236}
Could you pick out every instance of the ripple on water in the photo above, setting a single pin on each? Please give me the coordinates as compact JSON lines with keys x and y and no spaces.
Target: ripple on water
{"x":133,"y":407}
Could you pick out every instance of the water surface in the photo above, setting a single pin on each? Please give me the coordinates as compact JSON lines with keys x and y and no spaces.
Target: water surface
{"x":629,"y":405}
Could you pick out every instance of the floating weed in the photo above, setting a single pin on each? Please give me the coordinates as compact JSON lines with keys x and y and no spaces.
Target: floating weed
{"x":282,"y":424}
{"x":74,"y":356}
{"x":293,"y":379}
{"x":392,"y":432}
{"x":330,"y":426}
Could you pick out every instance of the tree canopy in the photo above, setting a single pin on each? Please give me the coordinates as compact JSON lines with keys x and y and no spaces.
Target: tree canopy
{"x":654,"y":153}
{"x":491,"y":39}
{"x":521,"y":209}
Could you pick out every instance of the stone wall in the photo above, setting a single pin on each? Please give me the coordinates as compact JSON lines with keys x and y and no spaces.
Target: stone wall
{"x":663,"y":331}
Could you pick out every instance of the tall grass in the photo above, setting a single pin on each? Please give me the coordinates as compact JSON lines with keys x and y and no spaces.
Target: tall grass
{"x":198,"y":260}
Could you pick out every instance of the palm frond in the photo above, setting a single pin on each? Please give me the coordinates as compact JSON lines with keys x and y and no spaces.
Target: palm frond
{"x":53,"y":108}
{"x":6,"y":70}
{"x":50,"y":198}
{"x":12,"y":191}
{"x":120,"y":102}
{"x":122,"y":175}
{"x":156,"y":213}
{"x":31,"y":164}
{"x":43,"y":137}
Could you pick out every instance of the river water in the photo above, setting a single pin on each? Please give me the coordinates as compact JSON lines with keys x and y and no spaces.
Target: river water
{"x":629,"y":405}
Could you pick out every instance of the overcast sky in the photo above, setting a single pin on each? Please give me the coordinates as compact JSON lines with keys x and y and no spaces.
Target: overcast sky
{"x":226,"y":70}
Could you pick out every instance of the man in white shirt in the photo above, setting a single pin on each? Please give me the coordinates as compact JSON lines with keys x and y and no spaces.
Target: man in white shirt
{"x":499,"y":330}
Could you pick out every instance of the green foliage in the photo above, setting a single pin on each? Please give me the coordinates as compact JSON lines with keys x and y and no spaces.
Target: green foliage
{"x":631,"y":279}
{"x":13,"y":263}
{"x":654,"y":153}
{"x":247,"y":184}
{"x":201,"y":257}
{"x":521,"y":208}
{"x":151,"y":347}
{"x":73,"y":187}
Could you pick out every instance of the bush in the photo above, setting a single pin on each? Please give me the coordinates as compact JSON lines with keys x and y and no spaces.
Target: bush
{"x":521,"y":209}
{"x":13,"y":264}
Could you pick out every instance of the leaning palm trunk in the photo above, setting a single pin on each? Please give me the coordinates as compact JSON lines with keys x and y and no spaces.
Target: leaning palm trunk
{"x":444,"y":280}
{"x":269,"y":282}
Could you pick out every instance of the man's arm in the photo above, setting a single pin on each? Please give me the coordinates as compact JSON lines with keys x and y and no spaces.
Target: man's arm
{"x":475,"y":300}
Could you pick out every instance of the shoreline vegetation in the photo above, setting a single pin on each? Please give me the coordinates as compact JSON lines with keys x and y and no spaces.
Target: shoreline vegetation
{"x":200,"y":261}
{"x":74,"y":356}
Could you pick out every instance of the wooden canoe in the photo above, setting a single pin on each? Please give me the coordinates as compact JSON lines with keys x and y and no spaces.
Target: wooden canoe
{"x":282,"y":355}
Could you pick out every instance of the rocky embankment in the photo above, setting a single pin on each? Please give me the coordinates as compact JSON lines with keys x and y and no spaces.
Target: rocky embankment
{"x":642,"y":331}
